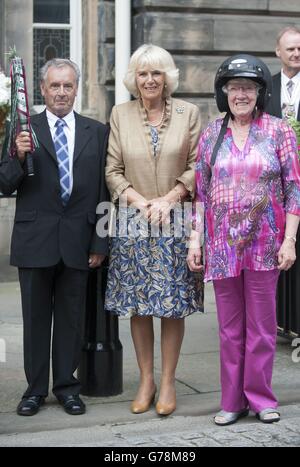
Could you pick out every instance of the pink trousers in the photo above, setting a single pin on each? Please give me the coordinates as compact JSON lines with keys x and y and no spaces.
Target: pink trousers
{"x":246,"y":308}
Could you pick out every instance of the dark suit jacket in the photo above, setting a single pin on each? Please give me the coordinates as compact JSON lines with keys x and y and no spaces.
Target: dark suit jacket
{"x":274,"y":105}
{"x":44,"y":230}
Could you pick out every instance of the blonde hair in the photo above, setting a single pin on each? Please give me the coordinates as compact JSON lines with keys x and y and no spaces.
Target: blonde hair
{"x":152,"y":57}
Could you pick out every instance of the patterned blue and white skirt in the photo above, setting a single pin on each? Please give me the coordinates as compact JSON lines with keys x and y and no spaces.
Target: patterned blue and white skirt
{"x":148,"y":275}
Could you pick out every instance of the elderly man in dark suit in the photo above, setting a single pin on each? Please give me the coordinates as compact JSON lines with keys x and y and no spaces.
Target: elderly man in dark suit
{"x":284,"y":103}
{"x":54,"y":240}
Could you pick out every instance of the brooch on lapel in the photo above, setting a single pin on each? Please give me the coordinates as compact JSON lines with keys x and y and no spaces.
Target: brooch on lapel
{"x":180,"y":109}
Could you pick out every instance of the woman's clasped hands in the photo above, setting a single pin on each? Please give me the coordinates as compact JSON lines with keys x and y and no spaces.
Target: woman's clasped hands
{"x":156,"y":211}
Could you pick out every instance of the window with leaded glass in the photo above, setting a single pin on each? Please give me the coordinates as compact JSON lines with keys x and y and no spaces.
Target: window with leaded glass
{"x":51,"y":36}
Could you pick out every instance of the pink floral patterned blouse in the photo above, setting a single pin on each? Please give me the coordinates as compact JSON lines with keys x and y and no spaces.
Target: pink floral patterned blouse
{"x":247,"y":196}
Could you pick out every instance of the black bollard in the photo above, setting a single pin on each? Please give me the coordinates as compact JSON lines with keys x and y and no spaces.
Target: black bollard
{"x":100,"y":371}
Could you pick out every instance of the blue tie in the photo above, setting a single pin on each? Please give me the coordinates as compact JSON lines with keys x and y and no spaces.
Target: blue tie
{"x":62,"y":154}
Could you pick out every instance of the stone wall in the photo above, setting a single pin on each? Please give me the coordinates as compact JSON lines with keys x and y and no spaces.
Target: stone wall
{"x":199,"y":34}
{"x":202,"y":33}
{"x":98,"y":58}
{"x":17,"y":18}
{"x":106,"y":56}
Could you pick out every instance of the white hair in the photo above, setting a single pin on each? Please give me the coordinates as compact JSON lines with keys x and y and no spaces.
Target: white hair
{"x":59,"y":63}
{"x":152,"y":57}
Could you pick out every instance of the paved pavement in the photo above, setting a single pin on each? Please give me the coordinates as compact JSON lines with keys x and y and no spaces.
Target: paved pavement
{"x":108,"y":421}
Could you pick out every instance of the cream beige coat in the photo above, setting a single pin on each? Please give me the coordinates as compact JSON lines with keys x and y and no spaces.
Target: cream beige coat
{"x":130,"y":159}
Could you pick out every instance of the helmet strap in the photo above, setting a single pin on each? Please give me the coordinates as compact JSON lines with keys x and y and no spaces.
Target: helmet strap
{"x":219,"y":140}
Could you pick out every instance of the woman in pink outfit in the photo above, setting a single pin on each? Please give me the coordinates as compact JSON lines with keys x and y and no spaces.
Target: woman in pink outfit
{"x":248,"y":185}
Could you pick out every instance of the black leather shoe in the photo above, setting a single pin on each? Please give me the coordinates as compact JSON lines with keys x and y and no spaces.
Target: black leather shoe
{"x":73,"y":405}
{"x":30,"y":405}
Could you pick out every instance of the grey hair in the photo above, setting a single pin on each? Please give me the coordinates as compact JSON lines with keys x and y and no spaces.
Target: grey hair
{"x":294,"y":29}
{"x":59,"y":63}
{"x":155,"y":58}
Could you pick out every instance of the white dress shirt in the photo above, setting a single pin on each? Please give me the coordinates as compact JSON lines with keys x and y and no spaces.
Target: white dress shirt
{"x":295,"y":97}
{"x":69,"y":130}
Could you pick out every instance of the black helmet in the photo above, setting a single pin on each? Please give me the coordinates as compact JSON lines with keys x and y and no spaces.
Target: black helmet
{"x":243,"y":66}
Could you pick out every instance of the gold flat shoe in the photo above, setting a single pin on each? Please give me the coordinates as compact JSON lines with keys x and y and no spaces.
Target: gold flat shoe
{"x":141,"y":407}
{"x":165,"y":409}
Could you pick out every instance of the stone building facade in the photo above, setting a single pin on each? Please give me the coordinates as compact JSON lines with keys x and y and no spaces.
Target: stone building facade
{"x":200,"y":34}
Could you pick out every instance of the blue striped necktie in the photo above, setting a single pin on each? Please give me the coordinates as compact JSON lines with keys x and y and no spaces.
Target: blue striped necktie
{"x":62,"y":154}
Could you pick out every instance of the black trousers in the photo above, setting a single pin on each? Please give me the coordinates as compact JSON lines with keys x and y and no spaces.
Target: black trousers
{"x":56,"y":294}
{"x":288,"y":296}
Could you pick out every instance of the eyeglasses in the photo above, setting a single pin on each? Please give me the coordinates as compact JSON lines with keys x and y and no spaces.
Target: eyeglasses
{"x":233,"y":90}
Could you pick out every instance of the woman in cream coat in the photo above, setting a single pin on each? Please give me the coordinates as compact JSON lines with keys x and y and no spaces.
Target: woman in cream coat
{"x":150,"y":171}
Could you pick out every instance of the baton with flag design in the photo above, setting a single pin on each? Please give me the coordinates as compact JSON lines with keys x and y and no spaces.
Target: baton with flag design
{"x":20,"y":117}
